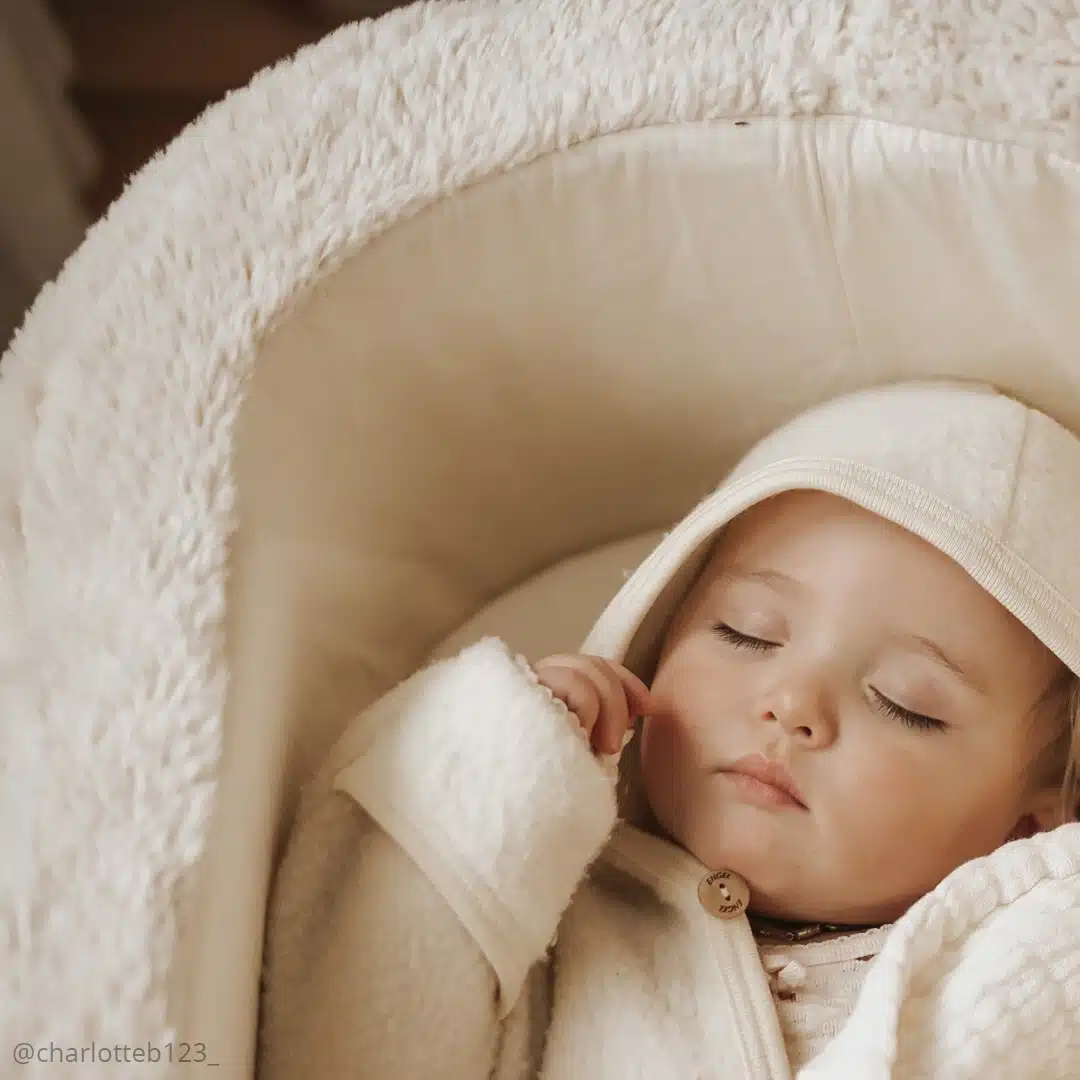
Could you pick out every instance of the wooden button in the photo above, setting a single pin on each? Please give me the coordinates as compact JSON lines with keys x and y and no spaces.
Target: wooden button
{"x":723,"y":894}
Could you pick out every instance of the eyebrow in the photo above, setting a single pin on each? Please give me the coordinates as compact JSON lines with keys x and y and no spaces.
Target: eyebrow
{"x":932,"y":649}
{"x":773,"y":578}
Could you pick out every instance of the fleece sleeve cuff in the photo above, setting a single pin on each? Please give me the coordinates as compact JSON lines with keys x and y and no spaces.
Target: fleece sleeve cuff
{"x":488,"y":783}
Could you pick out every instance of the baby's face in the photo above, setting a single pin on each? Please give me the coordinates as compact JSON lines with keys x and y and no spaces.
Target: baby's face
{"x":899,"y":695}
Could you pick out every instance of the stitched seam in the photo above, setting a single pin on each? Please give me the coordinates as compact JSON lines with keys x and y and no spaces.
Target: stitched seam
{"x":1018,"y":471}
{"x":815,"y":160}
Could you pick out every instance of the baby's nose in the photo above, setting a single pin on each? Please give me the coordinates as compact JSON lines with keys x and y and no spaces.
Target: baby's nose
{"x":801,"y":707}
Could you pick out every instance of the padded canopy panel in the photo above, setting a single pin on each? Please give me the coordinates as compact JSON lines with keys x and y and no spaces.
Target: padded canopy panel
{"x":443,"y":301}
{"x":553,"y":611}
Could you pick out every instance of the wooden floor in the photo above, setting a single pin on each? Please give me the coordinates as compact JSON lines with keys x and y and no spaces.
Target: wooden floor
{"x":146,"y":68}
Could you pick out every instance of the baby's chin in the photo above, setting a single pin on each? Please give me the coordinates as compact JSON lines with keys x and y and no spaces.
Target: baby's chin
{"x":787,"y":901}
{"x":829,"y":911}
{"x":780,"y":894}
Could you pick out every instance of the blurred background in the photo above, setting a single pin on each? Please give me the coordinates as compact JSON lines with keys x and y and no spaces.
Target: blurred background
{"x":91,"y":89}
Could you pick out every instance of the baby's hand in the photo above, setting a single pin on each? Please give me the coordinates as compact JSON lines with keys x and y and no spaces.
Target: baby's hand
{"x":605,"y":696}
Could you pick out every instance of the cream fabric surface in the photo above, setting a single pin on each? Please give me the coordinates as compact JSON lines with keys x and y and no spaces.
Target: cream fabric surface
{"x":434,"y":305}
{"x":457,"y":869}
{"x":553,"y":611}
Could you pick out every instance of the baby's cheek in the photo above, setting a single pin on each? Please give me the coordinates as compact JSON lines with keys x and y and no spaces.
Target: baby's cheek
{"x":669,"y":748}
{"x":906,"y":824}
{"x":881,"y":796}
{"x":691,"y":728}
{"x":672,"y":769}
{"x":681,"y":718}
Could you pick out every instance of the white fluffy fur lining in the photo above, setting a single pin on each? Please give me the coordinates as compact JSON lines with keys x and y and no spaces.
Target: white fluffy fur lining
{"x":120,"y":394}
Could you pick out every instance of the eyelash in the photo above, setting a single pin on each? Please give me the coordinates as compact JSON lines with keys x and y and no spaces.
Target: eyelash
{"x":743,"y":641}
{"x":917,"y":721}
{"x":910,"y":719}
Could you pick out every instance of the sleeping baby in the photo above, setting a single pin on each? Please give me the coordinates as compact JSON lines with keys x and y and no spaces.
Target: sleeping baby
{"x":802,"y":804}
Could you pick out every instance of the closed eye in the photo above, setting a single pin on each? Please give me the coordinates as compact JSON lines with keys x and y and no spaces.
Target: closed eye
{"x":742,"y":641}
{"x":919,"y":721}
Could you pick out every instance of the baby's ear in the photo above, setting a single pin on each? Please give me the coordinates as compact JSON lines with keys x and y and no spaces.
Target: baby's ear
{"x":1044,"y":813}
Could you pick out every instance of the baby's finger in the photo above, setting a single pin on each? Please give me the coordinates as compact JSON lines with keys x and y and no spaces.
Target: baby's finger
{"x":574,"y":689}
{"x":615,"y":713}
{"x":638,"y":695}
{"x":617,"y":718}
